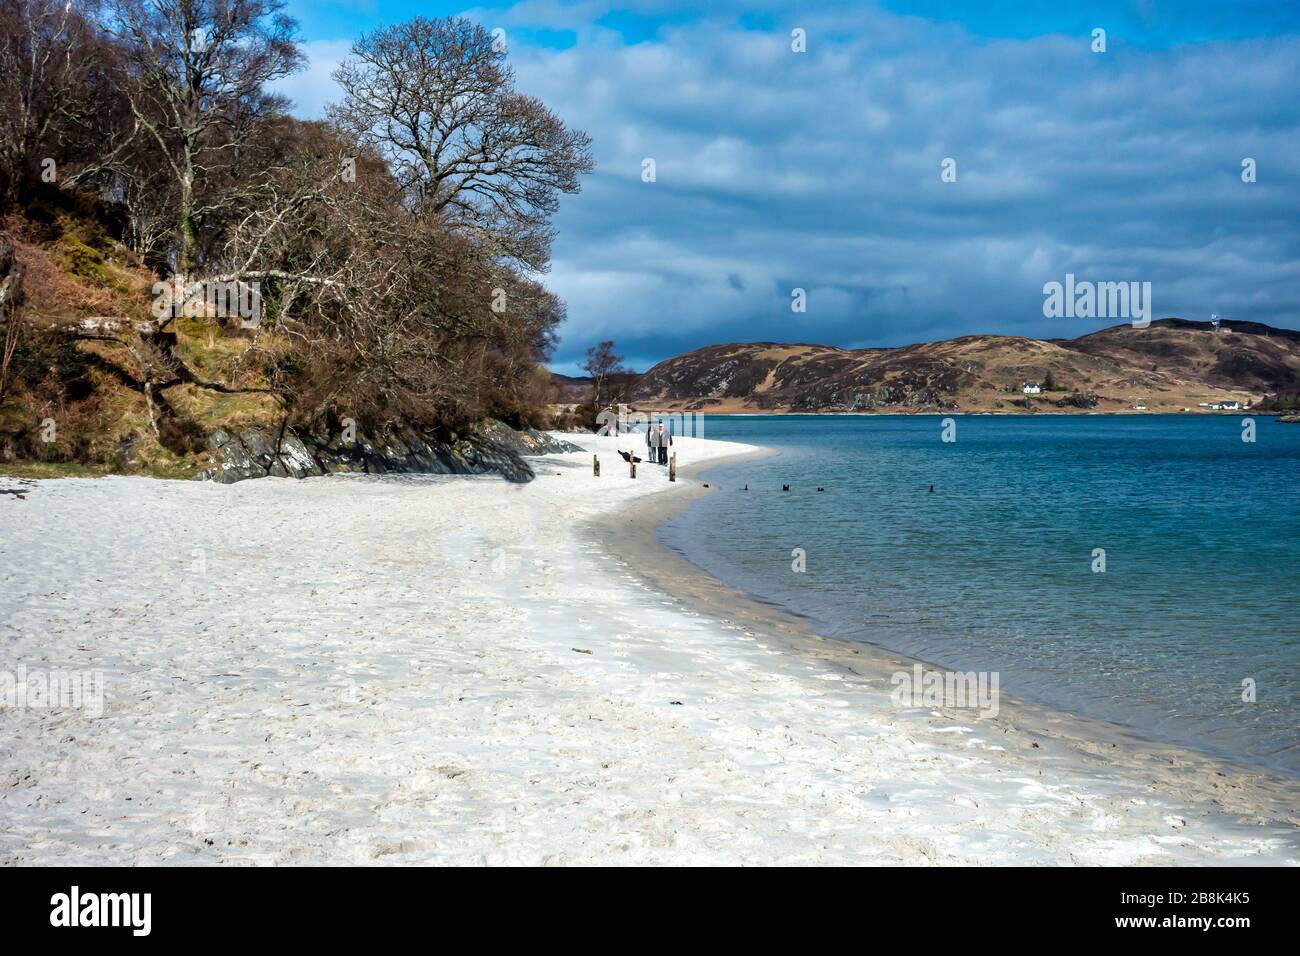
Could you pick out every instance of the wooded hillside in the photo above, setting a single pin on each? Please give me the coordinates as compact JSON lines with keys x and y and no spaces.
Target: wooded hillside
{"x":178,"y":254}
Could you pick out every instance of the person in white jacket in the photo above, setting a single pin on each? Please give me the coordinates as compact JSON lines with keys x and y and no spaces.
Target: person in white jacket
{"x":649,"y":442}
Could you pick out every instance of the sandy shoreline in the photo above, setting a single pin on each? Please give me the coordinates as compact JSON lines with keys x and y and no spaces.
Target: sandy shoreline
{"x":1062,"y":740}
{"x":457,"y":670}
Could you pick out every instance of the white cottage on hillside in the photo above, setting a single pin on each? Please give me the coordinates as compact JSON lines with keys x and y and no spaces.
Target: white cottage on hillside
{"x":1032,"y":388}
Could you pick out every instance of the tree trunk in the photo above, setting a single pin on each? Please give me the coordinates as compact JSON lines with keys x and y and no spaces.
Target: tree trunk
{"x":11,"y":293}
{"x":153,"y":409}
{"x":185,"y":258}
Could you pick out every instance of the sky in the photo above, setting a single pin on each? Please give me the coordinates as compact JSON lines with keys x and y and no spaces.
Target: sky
{"x":822,"y":170}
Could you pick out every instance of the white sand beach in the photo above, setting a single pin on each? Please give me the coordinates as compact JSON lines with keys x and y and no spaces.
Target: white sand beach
{"x":419,"y":670}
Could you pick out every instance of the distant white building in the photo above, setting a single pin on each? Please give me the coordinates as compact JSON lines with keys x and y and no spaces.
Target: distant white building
{"x":1231,"y":406}
{"x":1031,"y":388}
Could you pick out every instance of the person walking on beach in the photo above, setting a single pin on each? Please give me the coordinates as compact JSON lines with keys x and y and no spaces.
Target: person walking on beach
{"x":665,"y":439}
{"x":649,"y":442}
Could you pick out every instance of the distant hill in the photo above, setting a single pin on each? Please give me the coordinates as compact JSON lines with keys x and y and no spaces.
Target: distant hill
{"x":1170,"y":365}
{"x":572,"y":388}
{"x":575,"y":389}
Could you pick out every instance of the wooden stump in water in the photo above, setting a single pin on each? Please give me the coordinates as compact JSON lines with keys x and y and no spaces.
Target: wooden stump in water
{"x":672,"y":467}
{"x":595,"y":465}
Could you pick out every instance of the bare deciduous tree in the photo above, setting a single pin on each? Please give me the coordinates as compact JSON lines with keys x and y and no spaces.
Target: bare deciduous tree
{"x":437,"y":100}
{"x":602,"y":364}
{"x":195,"y":76}
{"x":51,"y":85}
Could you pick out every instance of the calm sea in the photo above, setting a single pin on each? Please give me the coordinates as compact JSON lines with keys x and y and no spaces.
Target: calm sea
{"x":994,"y":569}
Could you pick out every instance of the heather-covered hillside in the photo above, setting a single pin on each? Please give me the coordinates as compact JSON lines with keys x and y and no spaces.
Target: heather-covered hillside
{"x":1169,"y":366}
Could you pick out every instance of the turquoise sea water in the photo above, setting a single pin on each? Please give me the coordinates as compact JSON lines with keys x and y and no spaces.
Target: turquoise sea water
{"x":993,"y":570}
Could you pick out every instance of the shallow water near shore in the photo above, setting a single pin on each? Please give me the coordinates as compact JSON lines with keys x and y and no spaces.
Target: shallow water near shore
{"x":993,"y":570}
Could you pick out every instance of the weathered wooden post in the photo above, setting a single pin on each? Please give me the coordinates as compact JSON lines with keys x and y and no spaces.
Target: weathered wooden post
{"x":631,"y":464}
{"x":672,"y":467}
{"x":595,"y":465}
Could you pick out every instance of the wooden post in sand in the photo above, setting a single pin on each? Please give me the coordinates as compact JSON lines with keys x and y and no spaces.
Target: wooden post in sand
{"x":595,"y":466}
{"x":631,"y":464}
{"x":672,"y":467}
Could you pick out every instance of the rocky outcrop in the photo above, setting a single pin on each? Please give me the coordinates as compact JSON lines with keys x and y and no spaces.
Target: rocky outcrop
{"x":1079,"y":400}
{"x":492,"y":446}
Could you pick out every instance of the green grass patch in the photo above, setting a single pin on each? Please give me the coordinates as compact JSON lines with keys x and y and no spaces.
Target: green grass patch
{"x":231,"y":411}
{"x":52,"y":469}
{"x":209,"y":349}
{"x":34,"y":470}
